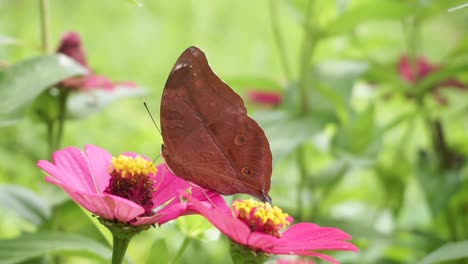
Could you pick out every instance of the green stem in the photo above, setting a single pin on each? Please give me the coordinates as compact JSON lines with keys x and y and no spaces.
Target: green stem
{"x":44,"y":13}
{"x":50,"y":136}
{"x":182,"y":249}
{"x":119,"y":247}
{"x":308,"y":45}
{"x":302,"y":183}
{"x":62,"y":105}
{"x":279,"y":38}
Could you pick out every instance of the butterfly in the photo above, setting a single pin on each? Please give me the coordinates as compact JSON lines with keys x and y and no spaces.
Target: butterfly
{"x":208,"y":137}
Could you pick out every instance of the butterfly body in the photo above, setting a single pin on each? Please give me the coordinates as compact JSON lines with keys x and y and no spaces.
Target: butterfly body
{"x":208,"y":137}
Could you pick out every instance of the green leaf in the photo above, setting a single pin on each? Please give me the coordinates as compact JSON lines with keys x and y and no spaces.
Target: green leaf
{"x":449,"y":251}
{"x":159,"y":252}
{"x":369,"y":11}
{"x":439,"y":185}
{"x":135,"y":2}
{"x":85,"y":103}
{"x":359,"y":138}
{"x":431,"y":80}
{"x":35,"y":245}
{"x":252,"y":82}
{"x":197,"y":227}
{"x":330,"y":176}
{"x":25,"y":203}
{"x":6,"y":40}
{"x":21,"y":83}
{"x":277,"y":124}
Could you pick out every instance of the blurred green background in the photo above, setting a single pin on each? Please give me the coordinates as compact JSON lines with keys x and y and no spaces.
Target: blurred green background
{"x":362,"y":159}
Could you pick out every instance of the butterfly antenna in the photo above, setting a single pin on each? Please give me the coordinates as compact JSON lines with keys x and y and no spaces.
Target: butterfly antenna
{"x":152,"y":118}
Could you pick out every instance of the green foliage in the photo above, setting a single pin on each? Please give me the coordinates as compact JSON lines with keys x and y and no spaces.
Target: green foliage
{"x":449,"y":251}
{"x":34,"y":245}
{"x":23,"y":82}
{"x":25,"y":204}
{"x":353,"y":140}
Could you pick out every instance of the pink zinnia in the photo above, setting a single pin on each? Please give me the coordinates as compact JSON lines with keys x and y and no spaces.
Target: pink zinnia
{"x":256,"y":225}
{"x":126,"y":189}
{"x":266,"y":98}
{"x":423,"y":68}
{"x":72,"y":46}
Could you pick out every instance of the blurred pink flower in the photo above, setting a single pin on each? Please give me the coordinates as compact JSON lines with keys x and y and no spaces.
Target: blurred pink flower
{"x":72,"y":46}
{"x":295,"y":261}
{"x":423,"y":68}
{"x":125,"y":189}
{"x":266,"y":98}
{"x":253,"y":227}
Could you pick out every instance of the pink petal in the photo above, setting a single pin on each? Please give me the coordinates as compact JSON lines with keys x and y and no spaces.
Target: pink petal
{"x":71,"y":46}
{"x":261,"y":241}
{"x":108,"y":206}
{"x":307,"y":253}
{"x":146,"y":220}
{"x":169,"y":187}
{"x":265,"y":97}
{"x":93,"y":81}
{"x":172,"y":212}
{"x":71,"y":167}
{"x":307,"y":236}
{"x":232,"y":227}
{"x":99,"y":160}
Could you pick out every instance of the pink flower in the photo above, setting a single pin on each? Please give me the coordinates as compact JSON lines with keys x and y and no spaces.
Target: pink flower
{"x":72,"y":46}
{"x":126,"y":189}
{"x":295,"y":261}
{"x":423,"y":68}
{"x":266,"y":98}
{"x":253,"y":224}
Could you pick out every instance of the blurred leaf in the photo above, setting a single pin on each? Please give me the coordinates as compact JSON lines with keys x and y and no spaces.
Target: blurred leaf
{"x":335,"y":81}
{"x":240,"y":83}
{"x":34,"y":245}
{"x":329,"y":177}
{"x":82,"y":104}
{"x":387,"y":75}
{"x":197,"y":227}
{"x":159,"y":252}
{"x":439,"y":185}
{"x":21,"y":83}
{"x":369,"y":11}
{"x":25,"y":203}
{"x":449,"y":251}
{"x":431,"y":80}
{"x":6,"y":40}
{"x":135,"y":2}
{"x":359,"y":139}
{"x":298,"y":130}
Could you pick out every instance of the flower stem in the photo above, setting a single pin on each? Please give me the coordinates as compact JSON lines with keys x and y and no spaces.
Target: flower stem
{"x":119,"y":247}
{"x":308,"y":45}
{"x":50,"y":136}
{"x":182,"y":249}
{"x":44,"y":12}
{"x":279,"y":38}
{"x":62,"y":105}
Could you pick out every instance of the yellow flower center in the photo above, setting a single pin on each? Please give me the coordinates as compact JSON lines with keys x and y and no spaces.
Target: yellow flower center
{"x":133,"y":178}
{"x":130,"y":166}
{"x":262,"y":217}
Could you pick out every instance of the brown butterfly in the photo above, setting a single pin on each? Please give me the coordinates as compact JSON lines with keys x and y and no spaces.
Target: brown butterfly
{"x":208,"y":138}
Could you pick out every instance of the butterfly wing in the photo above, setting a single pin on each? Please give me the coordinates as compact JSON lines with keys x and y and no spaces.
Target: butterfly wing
{"x":209,"y":139}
